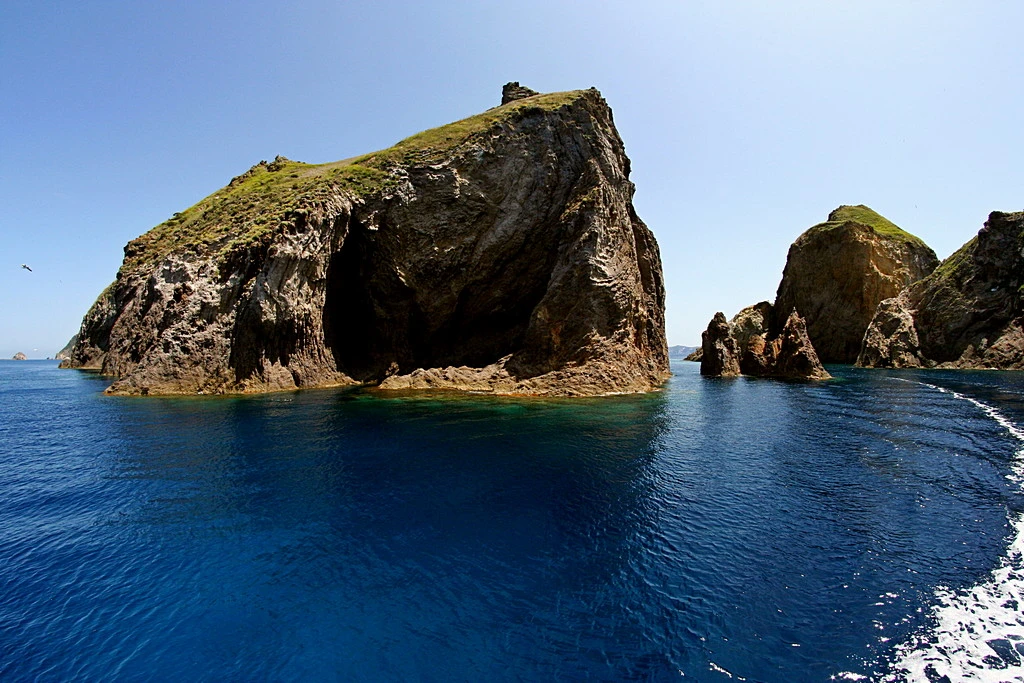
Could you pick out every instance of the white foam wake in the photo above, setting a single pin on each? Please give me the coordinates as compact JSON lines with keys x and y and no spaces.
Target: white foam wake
{"x":978,"y":633}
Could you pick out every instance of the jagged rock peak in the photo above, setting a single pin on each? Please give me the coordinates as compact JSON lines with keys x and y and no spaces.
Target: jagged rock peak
{"x":512,"y":91}
{"x":719,"y":353}
{"x":793,"y":355}
{"x":837,"y":272}
{"x":499,"y":253}
{"x":968,"y":313}
{"x":745,"y":345}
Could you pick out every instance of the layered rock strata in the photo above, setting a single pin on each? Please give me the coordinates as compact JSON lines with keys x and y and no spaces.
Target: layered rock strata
{"x":745,"y":345}
{"x":967,"y":314}
{"x":837,"y":273}
{"x":500,"y":253}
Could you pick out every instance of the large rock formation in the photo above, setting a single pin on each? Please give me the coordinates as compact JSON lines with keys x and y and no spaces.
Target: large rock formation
{"x":838,"y":272}
{"x":746,"y":346}
{"x":499,"y":253}
{"x":966,"y":314}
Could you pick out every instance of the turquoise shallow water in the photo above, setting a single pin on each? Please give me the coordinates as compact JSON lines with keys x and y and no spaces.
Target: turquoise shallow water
{"x":717,"y":529}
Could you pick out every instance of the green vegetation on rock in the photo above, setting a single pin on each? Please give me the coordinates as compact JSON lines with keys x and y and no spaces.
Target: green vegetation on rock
{"x":266,"y":199}
{"x":863,"y":215}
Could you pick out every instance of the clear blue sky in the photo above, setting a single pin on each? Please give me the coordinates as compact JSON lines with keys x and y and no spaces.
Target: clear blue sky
{"x":746,"y":122}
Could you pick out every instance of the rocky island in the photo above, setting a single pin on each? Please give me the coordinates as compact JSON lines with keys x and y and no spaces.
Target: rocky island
{"x":837,"y":272}
{"x":19,"y":356}
{"x":968,"y":313}
{"x":836,"y":275}
{"x":500,"y":253}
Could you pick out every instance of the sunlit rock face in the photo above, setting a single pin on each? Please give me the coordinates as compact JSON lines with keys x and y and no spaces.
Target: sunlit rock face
{"x":837,"y":273}
{"x":966,"y":314}
{"x":500,"y":253}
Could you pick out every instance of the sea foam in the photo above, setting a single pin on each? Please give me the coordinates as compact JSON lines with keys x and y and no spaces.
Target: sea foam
{"x":977,"y":633}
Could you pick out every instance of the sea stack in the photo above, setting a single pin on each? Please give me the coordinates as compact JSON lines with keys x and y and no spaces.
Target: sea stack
{"x":745,"y":345}
{"x":966,"y":314}
{"x":500,"y":253}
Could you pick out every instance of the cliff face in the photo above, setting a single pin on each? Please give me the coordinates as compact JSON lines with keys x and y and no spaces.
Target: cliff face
{"x":838,"y":272}
{"x":966,"y":314}
{"x":499,"y":253}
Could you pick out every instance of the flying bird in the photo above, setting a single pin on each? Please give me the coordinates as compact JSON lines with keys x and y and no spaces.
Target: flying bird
{"x":26,"y":267}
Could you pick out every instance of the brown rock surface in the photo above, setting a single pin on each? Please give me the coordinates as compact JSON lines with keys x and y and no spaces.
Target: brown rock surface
{"x":750,"y":328}
{"x":792,"y":355}
{"x":500,"y":253}
{"x":719,"y":352}
{"x":746,"y":346}
{"x":838,"y":272}
{"x":966,"y":314}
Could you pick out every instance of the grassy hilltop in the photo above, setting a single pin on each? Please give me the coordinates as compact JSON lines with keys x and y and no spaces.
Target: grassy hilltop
{"x":267,"y":198}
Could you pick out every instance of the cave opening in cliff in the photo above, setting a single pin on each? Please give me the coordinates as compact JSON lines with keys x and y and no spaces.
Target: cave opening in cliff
{"x":374,"y":320}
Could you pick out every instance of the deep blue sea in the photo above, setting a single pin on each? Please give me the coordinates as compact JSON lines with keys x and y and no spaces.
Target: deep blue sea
{"x":866,"y":528}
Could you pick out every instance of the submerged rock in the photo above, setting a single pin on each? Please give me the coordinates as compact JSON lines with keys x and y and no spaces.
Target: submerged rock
{"x":838,"y":272}
{"x":500,"y":253}
{"x":966,"y":314}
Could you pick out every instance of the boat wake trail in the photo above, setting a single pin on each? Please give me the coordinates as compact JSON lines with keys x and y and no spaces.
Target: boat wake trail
{"x":977,"y":633}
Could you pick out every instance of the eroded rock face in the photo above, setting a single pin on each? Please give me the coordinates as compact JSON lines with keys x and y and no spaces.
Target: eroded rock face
{"x":966,"y":314}
{"x":793,"y":355}
{"x":745,"y":345}
{"x":750,"y":328}
{"x":838,"y":272}
{"x":501,"y":253}
{"x":719,"y":352}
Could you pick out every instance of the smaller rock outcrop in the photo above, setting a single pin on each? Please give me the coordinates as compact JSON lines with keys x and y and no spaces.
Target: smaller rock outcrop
{"x":967,"y":314}
{"x":745,"y":346}
{"x":510,"y":92}
{"x":19,"y":356}
{"x":720,"y":356}
{"x":792,"y":355}
{"x":696,"y":356}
